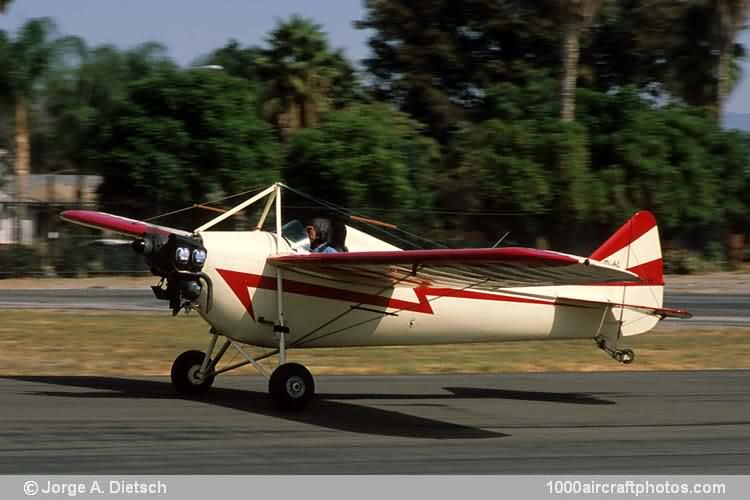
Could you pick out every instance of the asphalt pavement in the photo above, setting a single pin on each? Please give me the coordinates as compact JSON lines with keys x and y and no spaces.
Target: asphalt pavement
{"x":552,"y":423}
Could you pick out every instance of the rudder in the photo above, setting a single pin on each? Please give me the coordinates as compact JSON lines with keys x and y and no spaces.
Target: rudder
{"x":636,"y":247}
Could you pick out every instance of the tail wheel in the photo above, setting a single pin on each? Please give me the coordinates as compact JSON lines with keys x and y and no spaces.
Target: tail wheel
{"x":627,"y":356}
{"x":291,"y":386}
{"x":185,"y":374}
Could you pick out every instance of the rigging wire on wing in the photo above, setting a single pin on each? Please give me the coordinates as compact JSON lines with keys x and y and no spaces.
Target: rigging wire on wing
{"x":253,"y":190}
{"x":348,"y":213}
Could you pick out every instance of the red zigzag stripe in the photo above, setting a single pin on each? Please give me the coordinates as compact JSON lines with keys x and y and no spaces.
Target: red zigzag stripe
{"x":240,"y":283}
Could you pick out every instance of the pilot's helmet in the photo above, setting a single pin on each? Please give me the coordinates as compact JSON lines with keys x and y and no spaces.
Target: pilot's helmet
{"x":322,"y":228}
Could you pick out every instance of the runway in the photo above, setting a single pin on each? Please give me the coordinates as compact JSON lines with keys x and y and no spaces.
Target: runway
{"x":712,"y":308}
{"x":587,"y":423}
{"x":708,"y":309}
{"x":116,"y":299}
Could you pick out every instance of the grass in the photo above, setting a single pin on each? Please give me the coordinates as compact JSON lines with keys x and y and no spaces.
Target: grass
{"x":124,"y":343}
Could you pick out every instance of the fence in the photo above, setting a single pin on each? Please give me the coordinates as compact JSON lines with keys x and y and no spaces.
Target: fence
{"x":61,"y":249}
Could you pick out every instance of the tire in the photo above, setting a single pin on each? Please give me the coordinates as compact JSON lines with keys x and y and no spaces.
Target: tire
{"x":291,"y":386}
{"x":184,"y":369}
{"x":628,"y":356}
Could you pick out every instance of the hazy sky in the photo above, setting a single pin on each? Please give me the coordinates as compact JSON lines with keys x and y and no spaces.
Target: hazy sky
{"x":191,"y":28}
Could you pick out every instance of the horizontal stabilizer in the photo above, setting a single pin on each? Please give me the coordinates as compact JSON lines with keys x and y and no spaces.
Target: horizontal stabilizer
{"x":662,"y":312}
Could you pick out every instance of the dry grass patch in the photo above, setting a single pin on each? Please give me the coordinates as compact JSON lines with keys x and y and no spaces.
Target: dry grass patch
{"x":124,"y":343}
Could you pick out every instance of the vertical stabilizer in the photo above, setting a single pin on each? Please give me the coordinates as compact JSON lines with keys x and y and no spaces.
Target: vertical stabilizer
{"x":636,"y":247}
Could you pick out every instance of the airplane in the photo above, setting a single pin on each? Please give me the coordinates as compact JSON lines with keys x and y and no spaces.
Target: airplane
{"x":267,"y":289}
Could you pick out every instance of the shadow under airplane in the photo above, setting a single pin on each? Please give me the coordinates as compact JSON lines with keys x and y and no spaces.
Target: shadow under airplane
{"x":330,"y":410}
{"x":324,"y":412}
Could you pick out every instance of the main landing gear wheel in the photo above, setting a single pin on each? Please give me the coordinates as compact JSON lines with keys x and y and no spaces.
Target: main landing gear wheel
{"x":185,"y":378}
{"x":291,"y":386}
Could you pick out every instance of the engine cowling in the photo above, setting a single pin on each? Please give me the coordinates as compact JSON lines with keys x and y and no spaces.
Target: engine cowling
{"x":179,"y":260}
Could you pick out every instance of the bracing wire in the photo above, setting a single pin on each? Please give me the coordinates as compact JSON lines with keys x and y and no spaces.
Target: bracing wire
{"x":346,"y":212}
{"x":342,"y":211}
{"x":254,"y":189}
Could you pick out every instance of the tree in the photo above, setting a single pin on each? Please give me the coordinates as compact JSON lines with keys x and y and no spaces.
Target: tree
{"x":23,"y":62}
{"x":569,"y":181}
{"x":436,"y":59}
{"x":84,"y":91}
{"x":301,"y":72}
{"x":653,"y":36}
{"x":183,"y":136}
{"x":730,"y":18}
{"x":364,"y":156}
{"x":4,"y":5}
{"x":674,"y":50}
{"x":731,"y":150}
{"x":576,"y":15}
{"x":662,"y":159}
{"x":236,"y":60}
{"x":520,"y":159}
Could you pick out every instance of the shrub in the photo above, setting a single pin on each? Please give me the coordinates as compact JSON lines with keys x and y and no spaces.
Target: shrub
{"x":19,"y":260}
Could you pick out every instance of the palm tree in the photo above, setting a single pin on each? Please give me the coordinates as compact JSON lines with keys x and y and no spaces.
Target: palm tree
{"x":730,"y":19}
{"x":577,"y":15}
{"x":300,"y":70}
{"x":23,"y":61}
{"x":87,"y":85}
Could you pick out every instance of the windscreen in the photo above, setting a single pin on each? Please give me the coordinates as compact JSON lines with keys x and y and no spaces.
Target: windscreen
{"x":294,"y":232}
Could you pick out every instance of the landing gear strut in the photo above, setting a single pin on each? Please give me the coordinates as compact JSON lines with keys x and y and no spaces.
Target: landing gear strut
{"x":625,"y":356}
{"x":291,"y":385}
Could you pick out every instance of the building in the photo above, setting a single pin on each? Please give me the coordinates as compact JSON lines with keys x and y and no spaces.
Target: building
{"x":47,"y":195}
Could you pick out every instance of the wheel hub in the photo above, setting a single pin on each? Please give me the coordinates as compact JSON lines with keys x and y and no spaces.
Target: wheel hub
{"x":295,"y":387}
{"x":194,"y":375}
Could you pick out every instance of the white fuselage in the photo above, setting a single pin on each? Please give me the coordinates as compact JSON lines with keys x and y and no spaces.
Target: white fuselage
{"x":335,"y":313}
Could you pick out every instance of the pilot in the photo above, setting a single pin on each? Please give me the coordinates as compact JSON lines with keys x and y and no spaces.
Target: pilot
{"x":319,"y":233}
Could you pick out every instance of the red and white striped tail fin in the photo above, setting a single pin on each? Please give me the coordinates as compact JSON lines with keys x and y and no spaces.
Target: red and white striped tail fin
{"x":636,"y":247}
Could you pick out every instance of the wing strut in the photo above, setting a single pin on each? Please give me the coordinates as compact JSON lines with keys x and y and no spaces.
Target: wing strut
{"x":279,"y":328}
{"x":241,"y":206}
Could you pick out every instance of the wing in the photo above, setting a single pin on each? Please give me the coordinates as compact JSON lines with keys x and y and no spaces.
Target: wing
{"x":122,"y":225}
{"x":479,"y":268}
